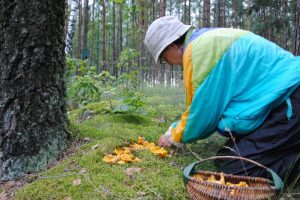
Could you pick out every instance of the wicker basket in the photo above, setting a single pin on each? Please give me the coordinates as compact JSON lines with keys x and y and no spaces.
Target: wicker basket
{"x":259,"y":188}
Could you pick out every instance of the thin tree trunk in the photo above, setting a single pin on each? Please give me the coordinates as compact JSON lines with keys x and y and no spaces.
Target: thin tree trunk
{"x":120,"y":33}
{"x":33,"y":119}
{"x":284,"y":23}
{"x":222,"y":16}
{"x":103,"y":36}
{"x":93,"y":31}
{"x":133,"y":11}
{"x":217,"y":13}
{"x":162,"y":8}
{"x":249,"y":15}
{"x":140,"y":34}
{"x":235,"y":13}
{"x":85,"y":26}
{"x":98,"y":39}
{"x":184,"y":11}
{"x":153,"y":10}
{"x":171,"y":7}
{"x":296,"y":35}
{"x":189,"y":13}
{"x":79,"y":47}
{"x":206,"y":13}
{"x":113,"y":38}
{"x":146,"y":55}
{"x":71,"y":26}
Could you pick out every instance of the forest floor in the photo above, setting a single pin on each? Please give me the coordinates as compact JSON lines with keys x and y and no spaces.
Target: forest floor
{"x":96,"y":132}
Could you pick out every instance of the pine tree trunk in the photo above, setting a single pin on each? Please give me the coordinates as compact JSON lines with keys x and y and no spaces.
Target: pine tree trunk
{"x":153,"y":10}
{"x":222,"y":17}
{"x":33,"y":120}
{"x":162,"y":8}
{"x":140,"y":35}
{"x":235,"y":13}
{"x":85,"y":25}
{"x":284,"y":23}
{"x":189,"y":13}
{"x":98,"y":38}
{"x":171,"y":7}
{"x":71,"y":26}
{"x":146,"y":55}
{"x":93,"y":31}
{"x":184,"y":11}
{"x":120,"y":19}
{"x":133,"y":11}
{"x":79,"y":36}
{"x":113,"y":38}
{"x":249,"y":15}
{"x":206,"y":13}
{"x":103,"y":36}
{"x":296,"y":35}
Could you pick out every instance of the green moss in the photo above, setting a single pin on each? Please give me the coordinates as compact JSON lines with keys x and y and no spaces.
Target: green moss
{"x":159,"y":178}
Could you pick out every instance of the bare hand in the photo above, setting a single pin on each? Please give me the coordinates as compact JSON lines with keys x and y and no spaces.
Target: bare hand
{"x":164,"y":142}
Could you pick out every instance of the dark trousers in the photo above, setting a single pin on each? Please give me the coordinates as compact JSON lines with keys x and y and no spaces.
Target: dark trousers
{"x":275,"y":144}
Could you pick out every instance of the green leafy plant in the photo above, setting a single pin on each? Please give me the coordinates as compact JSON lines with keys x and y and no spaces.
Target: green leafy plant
{"x":82,"y":83}
{"x":131,"y":99}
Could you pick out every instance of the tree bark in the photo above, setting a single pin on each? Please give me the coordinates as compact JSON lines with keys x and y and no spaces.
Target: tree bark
{"x":249,"y":15}
{"x":33,"y":120}
{"x":93,"y":31}
{"x":206,"y":13}
{"x":184,"y":11}
{"x":103,"y":36}
{"x":133,"y":11}
{"x":162,"y":8}
{"x":140,"y":32}
{"x":235,"y":13}
{"x":98,"y":41}
{"x":189,"y":13}
{"x":284,"y":38}
{"x":171,"y":7}
{"x":296,"y":35}
{"x":113,"y":38}
{"x":85,"y":25}
{"x":71,"y":26}
{"x":153,"y":10}
{"x":120,"y":19}
{"x":79,"y":47}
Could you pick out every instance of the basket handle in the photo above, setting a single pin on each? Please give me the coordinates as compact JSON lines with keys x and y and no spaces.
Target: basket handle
{"x":278,"y":184}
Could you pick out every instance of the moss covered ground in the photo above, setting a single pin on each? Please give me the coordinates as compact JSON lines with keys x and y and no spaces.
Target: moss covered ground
{"x":153,"y":178}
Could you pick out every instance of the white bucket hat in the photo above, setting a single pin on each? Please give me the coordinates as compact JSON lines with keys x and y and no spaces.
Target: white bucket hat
{"x":162,"y":32}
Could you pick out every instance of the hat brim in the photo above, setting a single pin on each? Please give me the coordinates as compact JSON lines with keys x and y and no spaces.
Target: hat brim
{"x":173,"y":38}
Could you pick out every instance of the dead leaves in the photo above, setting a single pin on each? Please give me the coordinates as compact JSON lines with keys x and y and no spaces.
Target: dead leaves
{"x":123,"y":155}
{"x":132,"y":170}
{"x":77,"y":182}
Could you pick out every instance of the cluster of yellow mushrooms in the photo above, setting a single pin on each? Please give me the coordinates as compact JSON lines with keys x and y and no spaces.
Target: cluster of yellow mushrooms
{"x":213,"y":179}
{"x":123,"y":155}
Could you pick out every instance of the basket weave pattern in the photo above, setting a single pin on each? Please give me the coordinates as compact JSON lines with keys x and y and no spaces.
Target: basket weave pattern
{"x":259,"y":188}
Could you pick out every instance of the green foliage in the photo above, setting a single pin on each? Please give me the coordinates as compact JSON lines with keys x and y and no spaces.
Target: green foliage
{"x":82,"y":83}
{"x":88,"y":87}
{"x":127,"y":57}
{"x":130,"y":102}
{"x":131,"y":99}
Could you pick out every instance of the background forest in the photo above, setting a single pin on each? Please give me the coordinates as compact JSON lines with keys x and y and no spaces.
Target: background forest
{"x":111,"y":33}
